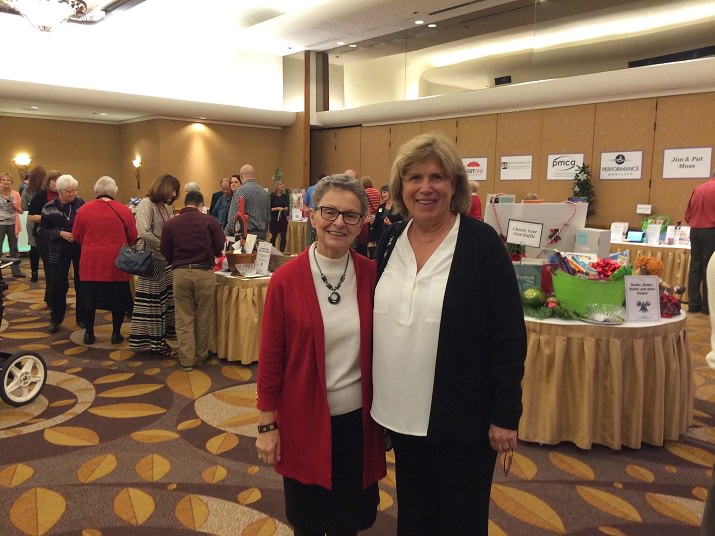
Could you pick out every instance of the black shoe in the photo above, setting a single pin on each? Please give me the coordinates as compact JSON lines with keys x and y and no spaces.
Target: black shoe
{"x":16,"y":276}
{"x":89,"y":338}
{"x":54,"y":327}
{"x":33,"y":278}
{"x":117,"y":338}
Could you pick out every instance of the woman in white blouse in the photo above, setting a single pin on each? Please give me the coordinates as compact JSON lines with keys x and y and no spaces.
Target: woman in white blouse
{"x":449,"y":345}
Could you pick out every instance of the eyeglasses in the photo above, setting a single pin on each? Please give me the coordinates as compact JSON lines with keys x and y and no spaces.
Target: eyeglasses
{"x":507,"y":458}
{"x":331,"y":214}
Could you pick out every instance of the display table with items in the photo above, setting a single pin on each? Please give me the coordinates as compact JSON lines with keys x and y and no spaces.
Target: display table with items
{"x":297,"y":236}
{"x":235,"y":335}
{"x":612,"y":385}
{"x":675,"y":259}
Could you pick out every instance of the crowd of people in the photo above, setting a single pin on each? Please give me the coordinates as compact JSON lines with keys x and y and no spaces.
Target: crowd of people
{"x":376,"y":352}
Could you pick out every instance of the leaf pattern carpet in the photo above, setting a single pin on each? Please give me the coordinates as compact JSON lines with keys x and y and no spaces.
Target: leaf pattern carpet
{"x":125,"y":443}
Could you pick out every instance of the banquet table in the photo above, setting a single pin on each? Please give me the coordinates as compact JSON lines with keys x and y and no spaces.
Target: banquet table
{"x":295,"y":237}
{"x":610,"y":385}
{"x":676,"y":260}
{"x":236,"y":331}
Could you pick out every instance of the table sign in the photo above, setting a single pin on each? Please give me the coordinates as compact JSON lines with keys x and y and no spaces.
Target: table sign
{"x":263,"y":257}
{"x":250,"y":243}
{"x":618,"y":230}
{"x":296,"y":214}
{"x":524,"y":232}
{"x":642,"y":298}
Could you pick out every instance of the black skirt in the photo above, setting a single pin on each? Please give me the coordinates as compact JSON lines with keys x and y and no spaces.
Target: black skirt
{"x":347,"y":507}
{"x":105,"y":296}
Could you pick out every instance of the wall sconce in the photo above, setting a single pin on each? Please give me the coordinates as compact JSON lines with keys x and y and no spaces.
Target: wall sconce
{"x":137,"y":163}
{"x":22,"y":163}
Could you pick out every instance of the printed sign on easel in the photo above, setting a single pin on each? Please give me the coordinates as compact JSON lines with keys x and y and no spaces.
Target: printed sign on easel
{"x":642,"y":298}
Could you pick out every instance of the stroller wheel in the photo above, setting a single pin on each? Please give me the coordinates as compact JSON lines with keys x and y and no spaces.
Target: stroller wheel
{"x":23,"y":376}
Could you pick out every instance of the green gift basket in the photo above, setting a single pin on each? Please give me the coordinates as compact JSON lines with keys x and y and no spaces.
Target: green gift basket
{"x":577,"y":293}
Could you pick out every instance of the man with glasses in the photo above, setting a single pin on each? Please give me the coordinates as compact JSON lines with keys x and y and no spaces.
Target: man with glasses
{"x":257,"y":204}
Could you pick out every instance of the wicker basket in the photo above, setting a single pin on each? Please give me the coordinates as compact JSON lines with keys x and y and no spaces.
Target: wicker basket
{"x":577,"y":294}
{"x":240,"y":263}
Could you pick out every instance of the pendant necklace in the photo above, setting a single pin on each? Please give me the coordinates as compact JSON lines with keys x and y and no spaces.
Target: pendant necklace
{"x":334,"y":297}
{"x":67,"y":216}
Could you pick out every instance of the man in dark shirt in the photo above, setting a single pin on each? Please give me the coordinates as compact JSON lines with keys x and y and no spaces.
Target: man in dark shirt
{"x":190,"y":242}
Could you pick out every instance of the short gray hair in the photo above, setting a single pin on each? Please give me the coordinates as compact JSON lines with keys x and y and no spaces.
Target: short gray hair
{"x":340,"y":182}
{"x":192,"y":187}
{"x":64,"y":182}
{"x":105,"y":186}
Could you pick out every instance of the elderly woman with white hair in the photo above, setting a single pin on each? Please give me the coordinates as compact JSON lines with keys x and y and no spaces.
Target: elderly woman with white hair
{"x":56,"y":222}
{"x":101,"y":227}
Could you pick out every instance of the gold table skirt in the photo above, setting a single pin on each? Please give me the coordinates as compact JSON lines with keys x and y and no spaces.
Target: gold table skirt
{"x":676,"y":261}
{"x":613,"y":386}
{"x":296,"y":237}
{"x":236,"y":331}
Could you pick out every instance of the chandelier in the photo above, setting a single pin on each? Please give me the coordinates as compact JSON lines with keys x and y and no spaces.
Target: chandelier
{"x":46,"y":15}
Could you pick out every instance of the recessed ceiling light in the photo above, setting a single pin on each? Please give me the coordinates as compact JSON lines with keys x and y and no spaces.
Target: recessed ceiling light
{"x":103,"y":114}
{"x":34,"y":107}
{"x":419,"y":22}
{"x":352,"y":46}
{"x":432,"y":25}
{"x":341,"y":43}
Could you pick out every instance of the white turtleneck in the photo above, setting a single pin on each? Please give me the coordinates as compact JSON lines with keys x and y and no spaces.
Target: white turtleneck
{"x":341,"y":323}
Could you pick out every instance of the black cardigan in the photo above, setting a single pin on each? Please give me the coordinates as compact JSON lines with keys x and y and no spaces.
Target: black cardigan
{"x":482,"y":338}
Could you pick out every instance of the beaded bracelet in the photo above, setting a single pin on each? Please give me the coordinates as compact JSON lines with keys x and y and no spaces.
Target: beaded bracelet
{"x":267,"y":427}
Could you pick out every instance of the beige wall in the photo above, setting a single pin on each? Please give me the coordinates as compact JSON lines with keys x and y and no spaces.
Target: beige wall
{"x":192,"y":152}
{"x":649,"y":125}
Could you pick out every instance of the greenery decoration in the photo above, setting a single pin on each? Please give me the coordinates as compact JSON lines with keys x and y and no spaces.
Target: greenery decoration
{"x":582,"y":187}
{"x":277,"y":175}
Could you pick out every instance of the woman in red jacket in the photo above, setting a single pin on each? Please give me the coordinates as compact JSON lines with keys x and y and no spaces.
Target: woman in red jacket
{"x":101,"y":227}
{"x":315,"y":373}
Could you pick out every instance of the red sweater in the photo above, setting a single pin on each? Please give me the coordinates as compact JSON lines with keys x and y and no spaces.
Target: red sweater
{"x":101,"y":233}
{"x":291,"y":373}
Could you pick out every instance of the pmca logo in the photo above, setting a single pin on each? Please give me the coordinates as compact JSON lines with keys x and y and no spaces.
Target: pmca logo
{"x":564,"y":163}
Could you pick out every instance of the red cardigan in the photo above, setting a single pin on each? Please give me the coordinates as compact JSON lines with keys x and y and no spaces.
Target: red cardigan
{"x":101,"y":232}
{"x":291,"y":373}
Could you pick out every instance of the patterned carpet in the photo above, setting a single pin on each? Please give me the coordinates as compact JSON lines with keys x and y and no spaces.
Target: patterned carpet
{"x":125,"y":443}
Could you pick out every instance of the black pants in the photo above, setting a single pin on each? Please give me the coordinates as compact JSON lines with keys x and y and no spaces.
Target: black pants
{"x":34,"y":259}
{"x":442,"y":489}
{"x":60,"y":283}
{"x":702,"y":246}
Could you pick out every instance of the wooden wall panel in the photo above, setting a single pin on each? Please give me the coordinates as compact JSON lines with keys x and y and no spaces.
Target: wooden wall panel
{"x":347,"y":150}
{"x":519,"y":133}
{"x":401,"y":133}
{"x":448,"y":127}
{"x":622,"y":126}
{"x":322,"y":152}
{"x":566,"y":130}
{"x":683,"y":121}
{"x":375,"y":154}
{"x":477,"y":137}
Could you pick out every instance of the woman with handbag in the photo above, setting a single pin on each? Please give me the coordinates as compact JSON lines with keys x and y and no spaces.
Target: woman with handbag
{"x":153,"y":313}
{"x":101,"y":228}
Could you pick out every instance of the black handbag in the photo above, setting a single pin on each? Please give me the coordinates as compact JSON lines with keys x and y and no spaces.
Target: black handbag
{"x":132,"y":260}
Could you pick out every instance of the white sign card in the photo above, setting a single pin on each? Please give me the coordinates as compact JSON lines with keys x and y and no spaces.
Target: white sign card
{"x":476,"y":168}
{"x":642,"y":298}
{"x":622,"y":165}
{"x":524,"y":232}
{"x":618,"y":230}
{"x":249,"y":243}
{"x":263,"y":257}
{"x":562,"y":167}
{"x":687,"y":163}
{"x":515,"y":168}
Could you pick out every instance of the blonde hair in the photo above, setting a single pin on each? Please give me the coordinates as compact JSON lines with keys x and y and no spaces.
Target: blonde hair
{"x":431,"y":146}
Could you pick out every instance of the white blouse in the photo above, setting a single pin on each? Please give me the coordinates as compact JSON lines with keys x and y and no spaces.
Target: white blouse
{"x":406,"y":320}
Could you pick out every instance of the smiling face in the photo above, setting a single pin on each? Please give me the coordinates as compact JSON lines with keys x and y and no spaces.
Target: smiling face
{"x":68,"y":195}
{"x":335,"y":237}
{"x":427,"y":193}
{"x":5,"y":184}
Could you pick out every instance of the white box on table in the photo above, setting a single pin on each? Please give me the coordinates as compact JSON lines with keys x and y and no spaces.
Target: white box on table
{"x":596,"y":241}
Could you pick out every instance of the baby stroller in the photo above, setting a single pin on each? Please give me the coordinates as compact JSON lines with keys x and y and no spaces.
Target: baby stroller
{"x":23,"y":373}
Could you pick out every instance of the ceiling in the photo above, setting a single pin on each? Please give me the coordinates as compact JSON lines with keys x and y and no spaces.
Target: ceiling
{"x":378,"y":28}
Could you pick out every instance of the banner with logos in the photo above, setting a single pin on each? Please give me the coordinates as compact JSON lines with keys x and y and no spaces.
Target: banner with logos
{"x":687,"y":163}
{"x":515,"y":168}
{"x":476,"y":168}
{"x":562,"y":167}
{"x":622,"y":165}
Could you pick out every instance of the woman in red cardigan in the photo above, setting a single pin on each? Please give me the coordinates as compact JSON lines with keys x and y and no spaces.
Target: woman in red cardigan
{"x":101,"y":227}
{"x":315,"y":373}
